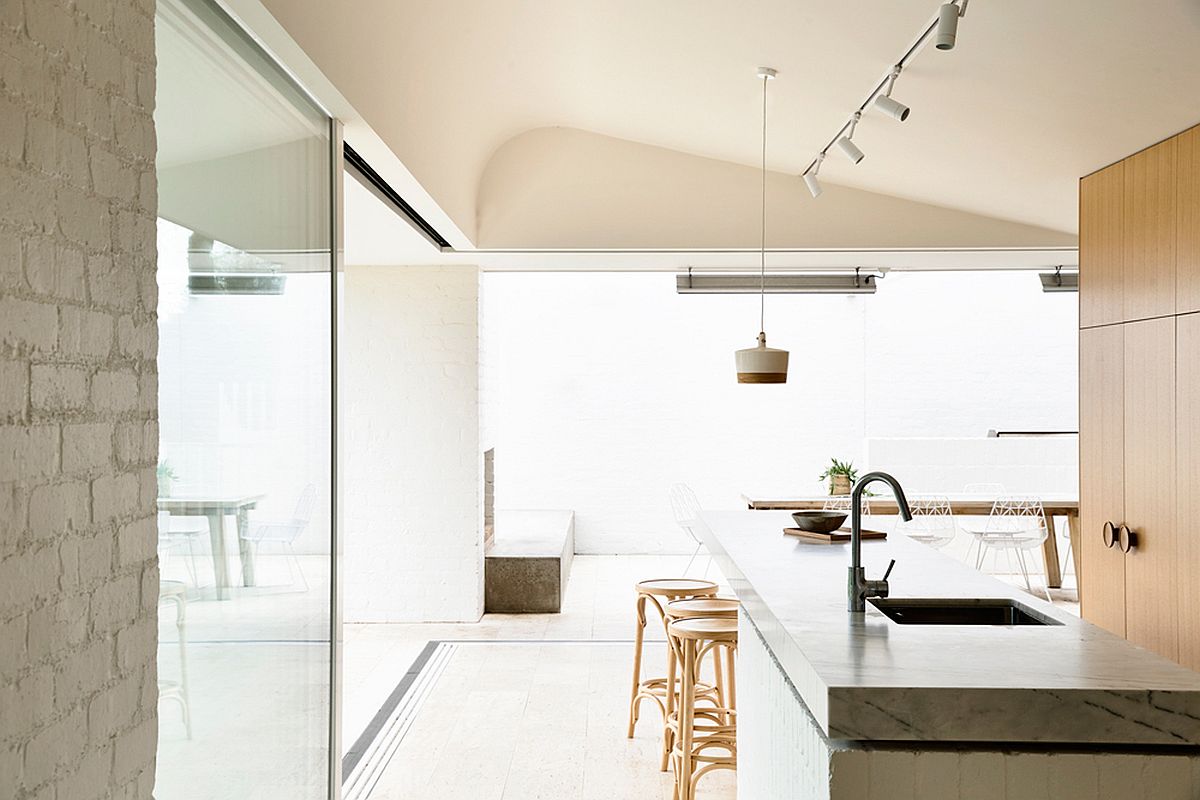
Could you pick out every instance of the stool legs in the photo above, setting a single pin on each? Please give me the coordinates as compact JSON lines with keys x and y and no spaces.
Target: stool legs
{"x":718,"y":680}
{"x":687,"y":711}
{"x":637,"y":663}
{"x":730,"y":680}
{"x":668,"y":737}
{"x":704,"y":739}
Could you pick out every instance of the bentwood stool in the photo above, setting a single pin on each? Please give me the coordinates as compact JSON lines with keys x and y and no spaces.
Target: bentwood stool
{"x":723,"y":692}
{"x":657,"y":592}
{"x":705,"y":739}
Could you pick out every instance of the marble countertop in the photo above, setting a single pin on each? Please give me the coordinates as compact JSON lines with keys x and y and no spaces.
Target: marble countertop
{"x":865,"y":677}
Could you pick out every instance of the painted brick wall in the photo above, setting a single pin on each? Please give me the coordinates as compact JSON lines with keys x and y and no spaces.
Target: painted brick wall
{"x":78,"y":399}
{"x":413,"y":468}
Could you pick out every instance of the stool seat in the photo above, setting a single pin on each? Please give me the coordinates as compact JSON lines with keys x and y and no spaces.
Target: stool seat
{"x":677,"y":587}
{"x":722,"y":629}
{"x":703,"y":607}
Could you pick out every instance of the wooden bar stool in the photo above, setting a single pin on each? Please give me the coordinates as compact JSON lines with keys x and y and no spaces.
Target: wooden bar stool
{"x":705,"y":738}
{"x":657,"y":592}
{"x":690,"y":608}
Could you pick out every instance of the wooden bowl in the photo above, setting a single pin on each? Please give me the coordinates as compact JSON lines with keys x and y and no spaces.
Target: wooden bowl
{"x":816,"y":521}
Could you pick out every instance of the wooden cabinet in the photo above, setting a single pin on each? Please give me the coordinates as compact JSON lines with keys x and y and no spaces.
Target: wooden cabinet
{"x":1102,"y":490}
{"x":1101,"y":214}
{"x":1187,"y":232}
{"x":1127,"y":399}
{"x":1139,"y":396}
{"x":1148,"y":233}
{"x":1151,"y":583}
{"x":1187,"y":482}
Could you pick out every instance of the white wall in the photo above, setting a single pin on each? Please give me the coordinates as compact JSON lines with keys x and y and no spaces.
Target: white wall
{"x":244,"y":391}
{"x":413,"y":539}
{"x":602,"y":389}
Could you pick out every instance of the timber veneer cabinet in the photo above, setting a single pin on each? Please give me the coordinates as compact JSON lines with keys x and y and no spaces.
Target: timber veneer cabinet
{"x":1139,"y":397}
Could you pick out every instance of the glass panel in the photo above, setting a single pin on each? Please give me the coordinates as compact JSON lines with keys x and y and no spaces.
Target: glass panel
{"x":244,"y":163}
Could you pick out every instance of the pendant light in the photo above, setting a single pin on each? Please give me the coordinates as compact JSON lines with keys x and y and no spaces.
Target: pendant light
{"x":762,"y":364}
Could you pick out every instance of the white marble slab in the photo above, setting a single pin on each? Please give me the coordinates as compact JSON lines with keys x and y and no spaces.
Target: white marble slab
{"x":865,"y":677}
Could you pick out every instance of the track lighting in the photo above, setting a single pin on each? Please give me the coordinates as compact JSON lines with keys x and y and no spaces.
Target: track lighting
{"x":850,"y":149}
{"x":943,"y":29}
{"x":893,"y":108}
{"x":947,"y":26}
{"x":847,"y":146}
{"x":810,"y":180}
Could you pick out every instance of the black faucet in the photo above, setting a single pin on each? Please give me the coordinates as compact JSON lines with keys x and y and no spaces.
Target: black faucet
{"x":858,"y":587}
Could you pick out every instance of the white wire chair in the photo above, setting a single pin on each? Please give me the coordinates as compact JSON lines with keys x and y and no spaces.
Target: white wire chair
{"x":285,"y":532}
{"x":932,"y":521}
{"x":842,"y":502}
{"x":1015,"y":525}
{"x":685,"y":506}
{"x":174,"y":593}
{"x":990,"y":489}
{"x":184,"y":530}
{"x":984,"y":490}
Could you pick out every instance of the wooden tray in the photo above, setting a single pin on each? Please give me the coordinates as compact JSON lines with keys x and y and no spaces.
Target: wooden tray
{"x":834,"y":537}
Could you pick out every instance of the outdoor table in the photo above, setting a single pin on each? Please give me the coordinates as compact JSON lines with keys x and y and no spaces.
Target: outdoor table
{"x":964,"y":504}
{"x":216,"y":508}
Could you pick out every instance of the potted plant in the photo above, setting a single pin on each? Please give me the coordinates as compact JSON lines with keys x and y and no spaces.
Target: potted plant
{"x":166,"y":475}
{"x":841,"y":476}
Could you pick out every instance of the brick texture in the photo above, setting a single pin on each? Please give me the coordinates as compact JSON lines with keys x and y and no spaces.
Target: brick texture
{"x":78,"y":415}
{"x":418,"y":557}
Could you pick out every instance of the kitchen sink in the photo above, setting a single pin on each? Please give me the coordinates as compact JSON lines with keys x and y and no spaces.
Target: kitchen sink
{"x":960,"y":611}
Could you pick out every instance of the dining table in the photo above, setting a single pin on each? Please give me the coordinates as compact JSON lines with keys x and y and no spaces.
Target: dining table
{"x":216,"y":508}
{"x":1054,"y":505}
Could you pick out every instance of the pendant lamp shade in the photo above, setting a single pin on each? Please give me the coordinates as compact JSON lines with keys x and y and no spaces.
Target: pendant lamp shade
{"x":761,"y":364}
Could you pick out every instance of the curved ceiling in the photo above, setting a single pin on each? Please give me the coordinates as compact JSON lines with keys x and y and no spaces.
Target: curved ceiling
{"x":1035,"y":95}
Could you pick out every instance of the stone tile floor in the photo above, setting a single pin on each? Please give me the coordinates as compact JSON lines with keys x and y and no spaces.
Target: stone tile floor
{"x":538,"y":712}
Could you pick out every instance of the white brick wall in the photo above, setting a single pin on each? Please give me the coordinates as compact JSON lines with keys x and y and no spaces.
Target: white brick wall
{"x":78,"y":437}
{"x":413,"y":466}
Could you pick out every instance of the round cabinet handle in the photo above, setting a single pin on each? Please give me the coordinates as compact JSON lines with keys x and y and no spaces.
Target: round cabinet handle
{"x":1109,"y":534}
{"x":1126,"y":539}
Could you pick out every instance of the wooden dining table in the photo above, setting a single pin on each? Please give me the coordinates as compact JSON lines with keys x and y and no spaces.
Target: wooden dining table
{"x":216,"y":507}
{"x":1055,"y":505}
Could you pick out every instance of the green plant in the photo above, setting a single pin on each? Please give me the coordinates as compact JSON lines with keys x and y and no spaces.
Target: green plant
{"x":166,"y":476}
{"x":839,"y":468}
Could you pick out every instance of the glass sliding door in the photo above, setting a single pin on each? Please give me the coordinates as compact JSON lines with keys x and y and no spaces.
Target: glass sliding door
{"x":246,"y":477}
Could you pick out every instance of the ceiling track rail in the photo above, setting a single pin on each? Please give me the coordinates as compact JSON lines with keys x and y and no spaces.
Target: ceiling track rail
{"x":367,"y":172}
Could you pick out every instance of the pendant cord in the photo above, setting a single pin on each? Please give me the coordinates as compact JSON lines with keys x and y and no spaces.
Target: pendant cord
{"x":762,"y":265}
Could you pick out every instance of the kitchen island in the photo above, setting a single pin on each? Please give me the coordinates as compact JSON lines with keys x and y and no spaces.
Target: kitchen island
{"x":838,"y":705}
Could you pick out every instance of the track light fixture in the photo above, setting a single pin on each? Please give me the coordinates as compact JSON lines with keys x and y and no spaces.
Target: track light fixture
{"x":943,"y":29}
{"x":947,"y":24}
{"x":893,"y":108}
{"x":810,"y":177}
{"x":847,"y":146}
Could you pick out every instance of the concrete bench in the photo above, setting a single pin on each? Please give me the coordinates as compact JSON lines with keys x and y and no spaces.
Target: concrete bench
{"x":525,"y":570}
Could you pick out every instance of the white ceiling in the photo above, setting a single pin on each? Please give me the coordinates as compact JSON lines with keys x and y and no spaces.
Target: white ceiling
{"x":1035,"y":95}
